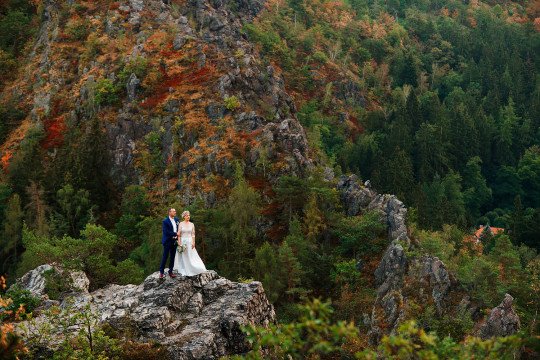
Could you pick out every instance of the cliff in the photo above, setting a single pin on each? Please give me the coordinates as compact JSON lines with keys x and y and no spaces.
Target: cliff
{"x":195,"y":317}
{"x":177,"y":89}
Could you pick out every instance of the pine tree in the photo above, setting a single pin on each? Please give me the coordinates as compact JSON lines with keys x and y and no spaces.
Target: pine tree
{"x":290,"y":270}
{"x":476,"y":193}
{"x":243,"y":208}
{"x":266,"y":269}
{"x":313,"y":218}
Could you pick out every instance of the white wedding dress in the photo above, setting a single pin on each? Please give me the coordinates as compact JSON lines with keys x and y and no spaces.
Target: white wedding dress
{"x":187,"y":262}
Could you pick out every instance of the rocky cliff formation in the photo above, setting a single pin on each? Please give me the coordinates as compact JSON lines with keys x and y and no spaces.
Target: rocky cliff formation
{"x":182,"y":71}
{"x":195,"y":317}
{"x":403,"y":280}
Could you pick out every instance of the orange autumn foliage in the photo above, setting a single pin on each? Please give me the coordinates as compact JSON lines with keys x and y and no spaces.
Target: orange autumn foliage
{"x":10,"y":343}
{"x":5,"y":160}
{"x":334,"y":12}
{"x":54,"y":129}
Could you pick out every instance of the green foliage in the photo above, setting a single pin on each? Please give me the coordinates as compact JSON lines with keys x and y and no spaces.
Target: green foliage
{"x":440,"y":243}
{"x":476,"y":193}
{"x":75,"y":211}
{"x":231,"y":102}
{"x":312,"y":335}
{"x":19,"y":298}
{"x":455,"y":326}
{"x":135,"y":207}
{"x":87,"y":341}
{"x":528,"y":171}
{"x":77,"y":29}
{"x":106,"y":93}
{"x":346,"y":273}
{"x":26,"y":164}
{"x":56,"y":285}
{"x":92,"y":253}
{"x":362,"y":235}
{"x":11,"y":234}
{"x":410,"y":341}
{"x":11,"y":346}
{"x":137,"y":65}
{"x":8,"y":65}
{"x":148,"y":253}
{"x":243,"y":209}
{"x":442,"y":202}
{"x":266,"y":269}
{"x":15,"y":30}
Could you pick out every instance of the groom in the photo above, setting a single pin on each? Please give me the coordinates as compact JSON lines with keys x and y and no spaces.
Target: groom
{"x":169,"y":228}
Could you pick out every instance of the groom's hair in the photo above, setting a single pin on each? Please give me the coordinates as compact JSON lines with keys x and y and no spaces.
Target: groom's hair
{"x":170,"y":209}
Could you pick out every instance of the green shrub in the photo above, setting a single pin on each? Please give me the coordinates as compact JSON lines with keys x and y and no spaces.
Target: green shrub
{"x":8,"y":64}
{"x":106,"y":93}
{"x":137,"y":65}
{"x":320,"y":57}
{"x":15,"y":30}
{"x":10,"y":115}
{"x":20,"y":297}
{"x":312,"y":335}
{"x":361,"y":235}
{"x":78,"y":331}
{"x":77,"y":29}
{"x":231,"y":102}
{"x":92,"y":253}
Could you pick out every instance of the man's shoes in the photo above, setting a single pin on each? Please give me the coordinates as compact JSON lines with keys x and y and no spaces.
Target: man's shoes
{"x":172,"y":275}
{"x":161,"y":276}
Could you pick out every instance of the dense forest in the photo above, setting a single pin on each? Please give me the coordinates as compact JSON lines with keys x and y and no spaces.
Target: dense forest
{"x":436,"y":102}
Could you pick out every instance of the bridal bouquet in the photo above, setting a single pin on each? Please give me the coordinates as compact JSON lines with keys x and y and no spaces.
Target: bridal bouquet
{"x":181,"y":248}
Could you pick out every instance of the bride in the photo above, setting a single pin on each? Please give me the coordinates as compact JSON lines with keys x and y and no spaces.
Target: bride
{"x":187,"y":261}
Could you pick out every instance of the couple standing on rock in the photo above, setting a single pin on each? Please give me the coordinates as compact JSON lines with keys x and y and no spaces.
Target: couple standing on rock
{"x":179,"y":237}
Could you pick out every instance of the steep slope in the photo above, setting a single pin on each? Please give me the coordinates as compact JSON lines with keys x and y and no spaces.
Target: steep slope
{"x":179,"y":90}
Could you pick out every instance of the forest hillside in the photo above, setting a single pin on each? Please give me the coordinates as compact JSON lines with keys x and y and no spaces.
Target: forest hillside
{"x":376,"y":165}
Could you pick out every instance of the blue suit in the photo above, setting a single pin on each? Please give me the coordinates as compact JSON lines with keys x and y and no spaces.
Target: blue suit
{"x":168,"y":239}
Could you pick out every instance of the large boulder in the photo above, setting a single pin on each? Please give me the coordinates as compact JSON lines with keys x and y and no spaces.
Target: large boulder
{"x":502,"y":321}
{"x":35,"y":280}
{"x":196,"y":317}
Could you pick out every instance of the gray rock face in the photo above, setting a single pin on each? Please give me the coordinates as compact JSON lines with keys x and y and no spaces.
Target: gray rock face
{"x":502,"y":321}
{"x":131,"y":87}
{"x":392,"y":266}
{"x":439,"y":279}
{"x":427,"y":272}
{"x":195,"y":317}
{"x":358,"y":198}
{"x":35,"y":282}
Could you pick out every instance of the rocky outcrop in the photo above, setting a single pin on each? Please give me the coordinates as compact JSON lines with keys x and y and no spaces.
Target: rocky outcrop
{"x":502,"y":320}
{"x":438,"y":278}
{"x":195,"y":317}
{"x":358,"y":198}
{"x":404,"y":281}
{"x":35,"y":280}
